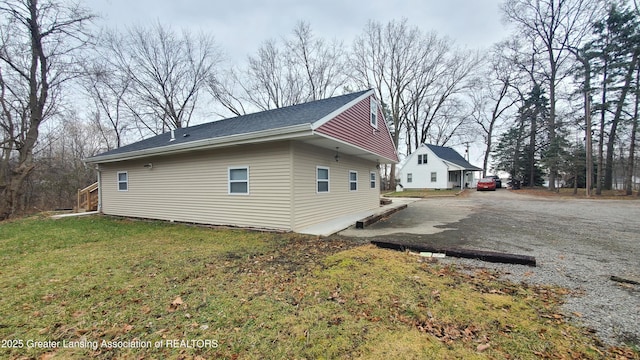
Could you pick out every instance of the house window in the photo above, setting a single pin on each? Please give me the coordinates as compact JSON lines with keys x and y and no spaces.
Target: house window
{"x":422,"y":159}
{"x":353,"y":180}
{"x":322,"y":179}
{"x":239,"y":180}
{"x":453,"y":176}
{"x":374,"y":112}
{"x":123,"y":181}
{"x":434,"y":176}
{"x":372,"y":180}
{"x":409,"y":177}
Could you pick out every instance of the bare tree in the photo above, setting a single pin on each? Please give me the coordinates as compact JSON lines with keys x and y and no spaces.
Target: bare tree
{"x":437,"y":109}
{"x":272,"y":81}
{"x":39,"y":50}
{"x":420,"y":78}
{"x":495,"y":96}
{"x":321,"y":62}
{"x":107,"y":89}
{"x":300,"y":68}
{"x":386,"y":59}
{"x":167,"y":71}
{"x":554,"y":26}
{"x":583,"y":57}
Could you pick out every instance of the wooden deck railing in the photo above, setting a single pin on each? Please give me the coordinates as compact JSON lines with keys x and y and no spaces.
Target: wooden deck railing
{"x":88,"y":198}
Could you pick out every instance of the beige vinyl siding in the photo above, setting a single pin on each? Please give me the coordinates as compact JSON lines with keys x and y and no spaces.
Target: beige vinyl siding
{"x":194,"y":187}
{"x":311,"y":207}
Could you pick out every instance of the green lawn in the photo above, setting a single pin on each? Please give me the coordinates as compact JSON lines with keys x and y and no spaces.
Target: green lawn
{"x":97,"y":285}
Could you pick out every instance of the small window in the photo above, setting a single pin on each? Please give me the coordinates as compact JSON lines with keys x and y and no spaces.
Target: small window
{"x":372,"y":180}
{"x":422,"y":159}
{"x":409,"y":177}
{"x":353,"y":181}
{"x":239,"y":180}
{"x":434,"y":176}
{"x":374,"y":112}
{"x":123,"y":181}
{"x":322,"y":179}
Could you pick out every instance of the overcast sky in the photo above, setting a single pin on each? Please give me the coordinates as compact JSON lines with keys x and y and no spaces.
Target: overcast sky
{"x":239,"y":26}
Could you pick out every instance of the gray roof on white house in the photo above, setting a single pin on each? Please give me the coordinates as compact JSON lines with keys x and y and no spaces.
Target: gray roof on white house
{"x":306,"y":113}
{"x":452,"y":156}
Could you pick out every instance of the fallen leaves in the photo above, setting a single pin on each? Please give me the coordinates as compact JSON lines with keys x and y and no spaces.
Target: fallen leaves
{"x":448,"y":332}
{"x":175,"y":304}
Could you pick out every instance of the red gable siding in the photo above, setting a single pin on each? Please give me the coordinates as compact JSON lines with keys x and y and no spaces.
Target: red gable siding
{"x":353,"y":126}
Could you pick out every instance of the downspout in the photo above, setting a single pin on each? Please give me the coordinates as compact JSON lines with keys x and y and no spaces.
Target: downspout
{"x":99,"y":188}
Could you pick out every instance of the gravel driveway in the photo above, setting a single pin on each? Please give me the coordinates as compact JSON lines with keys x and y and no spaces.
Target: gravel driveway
{"x":578,"y":244}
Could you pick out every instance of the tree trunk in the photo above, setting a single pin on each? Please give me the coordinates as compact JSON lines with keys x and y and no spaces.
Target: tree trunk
{"x":634,"y":130}
{"x":587,"y":133}
{"x":608,"y":171}
{"x":553,"y":169}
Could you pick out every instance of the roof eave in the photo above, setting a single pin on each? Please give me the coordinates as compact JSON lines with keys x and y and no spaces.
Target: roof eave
{"x":449,"y":163}
{"x":385,"y":159}
{"x":284,"y":133}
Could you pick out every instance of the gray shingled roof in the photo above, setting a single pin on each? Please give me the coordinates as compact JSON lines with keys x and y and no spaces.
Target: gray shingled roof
{"x":265,"y":120}
{"x":452,"y":156}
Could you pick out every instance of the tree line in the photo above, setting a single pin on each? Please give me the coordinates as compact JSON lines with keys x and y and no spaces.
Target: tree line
{"x":563,"y":83}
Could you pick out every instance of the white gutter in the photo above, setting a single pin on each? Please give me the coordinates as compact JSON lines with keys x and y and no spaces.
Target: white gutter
{"x":283,"y":133}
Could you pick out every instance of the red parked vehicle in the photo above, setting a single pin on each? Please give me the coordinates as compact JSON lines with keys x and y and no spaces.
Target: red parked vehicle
{"x":487,"y":183}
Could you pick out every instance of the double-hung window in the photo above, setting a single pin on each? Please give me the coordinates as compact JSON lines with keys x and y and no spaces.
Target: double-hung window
{"x":372,"y":180}
{"x":123,"y":181}
{"x":239,"y":180}
{"x":422,"y":159}
{"x":322,"y":179}
{"x":353,"y":180}
{"x":374,"y":112}
{"x":434,"y":176}
{"x":409,"y":177}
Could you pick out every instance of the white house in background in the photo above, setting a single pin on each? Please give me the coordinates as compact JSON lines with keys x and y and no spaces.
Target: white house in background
{"x":436,"y":167}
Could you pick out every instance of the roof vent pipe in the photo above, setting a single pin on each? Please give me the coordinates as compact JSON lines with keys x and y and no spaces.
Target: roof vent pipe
{"x":173,"y":135}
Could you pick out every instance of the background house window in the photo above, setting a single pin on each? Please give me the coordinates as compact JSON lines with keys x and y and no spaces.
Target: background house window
{"x":239,"y":180}
{"x":422,"y":159}
{"x":322,"y":179}
{"x":353,"y":180}
{"x":123,"y":181}
{"x":434,"y":176}
{"x":374,"y":112}
{"x":372,"y":180}
{"x":409,"y":177}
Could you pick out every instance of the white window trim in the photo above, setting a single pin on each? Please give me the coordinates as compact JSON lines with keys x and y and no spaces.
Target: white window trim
{"x":353,"y":181}
{"x":229,"y":181}
{"x":328,"y":179}
{"x":431,"y":175}
{"x":373,"y":181}
{"x":409,"y":177}
{"x":118,"y":182}
{"x":373,"y":110}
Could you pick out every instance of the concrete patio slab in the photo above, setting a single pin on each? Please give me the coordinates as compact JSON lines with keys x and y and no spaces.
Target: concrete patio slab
{"x":335,"y":225}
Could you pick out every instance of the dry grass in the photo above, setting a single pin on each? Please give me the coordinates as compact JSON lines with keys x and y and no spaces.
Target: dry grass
{"x":423,"y":193}
{"x":261,"y":295}
{"x":580,"y":194}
